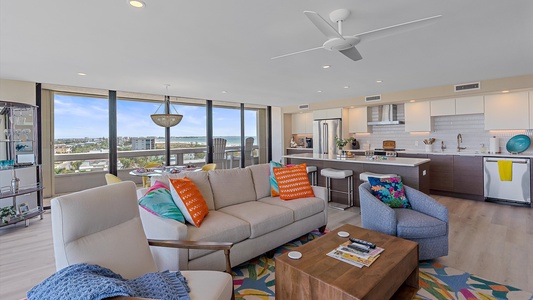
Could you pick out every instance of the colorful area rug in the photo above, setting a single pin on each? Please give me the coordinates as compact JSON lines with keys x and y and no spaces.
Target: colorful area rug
{"x":255,"y":279}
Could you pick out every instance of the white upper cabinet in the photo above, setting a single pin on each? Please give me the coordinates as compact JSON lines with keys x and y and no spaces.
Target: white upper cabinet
{"x":358,"y":120}
{"x":459,"y":106}
{"x":332,"y":113}
{"x":469,"y":105}
{"x":418,"y":116}
{"x":302,"y":123}
{"x":444,"y":107}
{"x":507,"y":111}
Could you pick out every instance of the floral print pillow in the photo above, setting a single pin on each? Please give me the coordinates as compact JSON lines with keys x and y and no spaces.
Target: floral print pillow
{"x":390,"y":191}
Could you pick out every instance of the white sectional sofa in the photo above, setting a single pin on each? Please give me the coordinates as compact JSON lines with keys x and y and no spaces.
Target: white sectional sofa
{"x":241,"y":211}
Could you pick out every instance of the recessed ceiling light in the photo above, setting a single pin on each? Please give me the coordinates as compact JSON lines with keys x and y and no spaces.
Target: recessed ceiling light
{"x":326,"y":66}
{"x":224,"y":92}
{"x":505,"y":91}
{"x":319,"y":91}
{"x":81,"y":74}
{"x":136,"y":3}
{"x":346,"y":86}
{"x":412,"y":101}
{"x":379,"y":81}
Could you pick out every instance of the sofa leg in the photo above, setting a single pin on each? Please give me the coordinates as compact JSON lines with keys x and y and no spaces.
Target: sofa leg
{"x":270,"y":253}
{"x":322,"y":229}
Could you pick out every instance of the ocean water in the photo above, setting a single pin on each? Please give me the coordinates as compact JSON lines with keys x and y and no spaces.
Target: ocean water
{"x":202,"y":140}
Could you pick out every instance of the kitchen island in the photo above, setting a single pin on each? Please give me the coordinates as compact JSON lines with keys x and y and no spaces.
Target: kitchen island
{"x":414,"y":171}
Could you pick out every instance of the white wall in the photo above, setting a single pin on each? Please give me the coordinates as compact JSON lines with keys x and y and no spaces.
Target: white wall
{"x":17,"y":91}
{"x":277,"y":134}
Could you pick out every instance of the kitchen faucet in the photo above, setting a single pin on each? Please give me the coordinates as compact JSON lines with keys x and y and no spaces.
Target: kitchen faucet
{"x":459,"y":141}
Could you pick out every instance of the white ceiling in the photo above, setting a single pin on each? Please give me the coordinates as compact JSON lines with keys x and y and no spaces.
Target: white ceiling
{"x":202,"y":48}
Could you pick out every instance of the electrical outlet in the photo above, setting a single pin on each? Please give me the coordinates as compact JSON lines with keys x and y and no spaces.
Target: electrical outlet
{"x":416,"y":143}
{"x":424,"y":173}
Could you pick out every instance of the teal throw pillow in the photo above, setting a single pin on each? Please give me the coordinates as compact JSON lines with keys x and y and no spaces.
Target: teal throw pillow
{"x":158,"y":201}
{"x":390,"y":191}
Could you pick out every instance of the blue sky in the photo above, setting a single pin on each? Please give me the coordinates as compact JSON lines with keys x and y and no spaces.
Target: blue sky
{"x":78,"y":117}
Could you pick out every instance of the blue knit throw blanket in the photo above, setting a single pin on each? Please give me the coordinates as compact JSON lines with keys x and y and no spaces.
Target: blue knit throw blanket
{"x":86,"y":281}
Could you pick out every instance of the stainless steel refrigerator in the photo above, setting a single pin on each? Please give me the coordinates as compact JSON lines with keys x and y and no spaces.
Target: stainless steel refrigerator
{"x":324,"y":133}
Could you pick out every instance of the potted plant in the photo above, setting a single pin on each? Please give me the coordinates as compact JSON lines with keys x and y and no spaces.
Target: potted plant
{"x":341,"y":143}
{"x":6,"y":213}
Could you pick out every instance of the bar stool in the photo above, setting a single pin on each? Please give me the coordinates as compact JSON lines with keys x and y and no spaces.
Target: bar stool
{"x":313,"y":171}
{"x":338,"y":174}
{"x":364,"y":176}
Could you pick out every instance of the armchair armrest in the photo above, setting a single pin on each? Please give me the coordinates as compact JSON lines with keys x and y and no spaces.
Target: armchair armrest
{"x":425,"y":204}
{"x":196,"y":245}
{"x":376,"y":215}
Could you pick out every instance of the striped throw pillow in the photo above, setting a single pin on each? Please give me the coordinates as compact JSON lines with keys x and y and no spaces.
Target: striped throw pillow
{"x":293,"y":182}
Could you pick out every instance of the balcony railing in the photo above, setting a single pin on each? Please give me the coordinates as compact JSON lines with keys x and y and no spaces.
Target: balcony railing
{"x":70,"y":182}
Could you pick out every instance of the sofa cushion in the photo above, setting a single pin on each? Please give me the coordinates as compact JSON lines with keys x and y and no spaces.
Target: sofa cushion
{"x":263,"y":218}
{"x":414,"y":224}
{"x":217,"y":227}
{"x":260,"y":175}
{"x":301,"y":208}
{"x":200,"y":179}
{"x":231,"y":187}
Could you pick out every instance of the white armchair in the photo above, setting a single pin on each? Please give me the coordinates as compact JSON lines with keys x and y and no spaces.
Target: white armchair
{"x":102,"y":226}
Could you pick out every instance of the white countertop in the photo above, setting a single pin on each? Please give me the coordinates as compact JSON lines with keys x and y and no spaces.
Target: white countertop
{"x":300,"y":148}
{"x":396,"y":161}
{"x":461,"y":153}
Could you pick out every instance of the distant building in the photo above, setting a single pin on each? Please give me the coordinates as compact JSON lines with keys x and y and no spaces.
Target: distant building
{"x":62,"y":149}
{"x":142,"y":143}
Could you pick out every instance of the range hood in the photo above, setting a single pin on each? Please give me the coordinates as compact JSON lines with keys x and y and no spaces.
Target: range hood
{"x":387,"y":115}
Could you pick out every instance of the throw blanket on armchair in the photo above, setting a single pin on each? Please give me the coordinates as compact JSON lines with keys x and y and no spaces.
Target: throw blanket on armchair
{"x":86,"y":281}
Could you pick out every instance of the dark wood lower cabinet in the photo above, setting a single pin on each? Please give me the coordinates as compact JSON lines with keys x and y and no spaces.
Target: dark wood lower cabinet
{"x":442,"y":172}
{"x":454,"y":175}
{"x":468,"y":175}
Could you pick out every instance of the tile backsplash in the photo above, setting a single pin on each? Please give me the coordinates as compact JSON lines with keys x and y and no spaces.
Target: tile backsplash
{"x":445,"y":129}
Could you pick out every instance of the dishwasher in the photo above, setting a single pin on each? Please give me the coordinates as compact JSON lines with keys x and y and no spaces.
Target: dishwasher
{"x":516,"y":190}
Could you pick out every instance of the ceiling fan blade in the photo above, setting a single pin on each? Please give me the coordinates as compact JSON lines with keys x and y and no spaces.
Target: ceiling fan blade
{"x":395,"y":29}
{"x":307,"y":50}
{"x":352,"y":53}
{"x":323,"y":25}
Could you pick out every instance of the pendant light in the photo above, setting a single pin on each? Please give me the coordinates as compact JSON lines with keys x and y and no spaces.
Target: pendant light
{"x":166,"y":119}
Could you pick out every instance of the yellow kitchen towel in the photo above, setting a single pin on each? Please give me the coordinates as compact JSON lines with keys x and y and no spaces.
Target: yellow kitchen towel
{"x":505,"y":168}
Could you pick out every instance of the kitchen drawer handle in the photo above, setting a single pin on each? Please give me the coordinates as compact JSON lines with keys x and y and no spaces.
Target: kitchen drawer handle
{"x":514,"y":162}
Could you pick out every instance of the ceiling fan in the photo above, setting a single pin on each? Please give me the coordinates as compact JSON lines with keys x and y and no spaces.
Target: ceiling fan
{"x":346,"y":44}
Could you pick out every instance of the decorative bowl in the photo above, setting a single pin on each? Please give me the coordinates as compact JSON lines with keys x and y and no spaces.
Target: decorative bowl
{"x":518,"y":143}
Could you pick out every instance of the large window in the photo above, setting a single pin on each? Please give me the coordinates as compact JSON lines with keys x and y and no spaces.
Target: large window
{"x":255,"y":125}
{"x":139,"y":140}
{"x":227,"y":126}
{"x":80,"y":127}
{"x":188,"y":138}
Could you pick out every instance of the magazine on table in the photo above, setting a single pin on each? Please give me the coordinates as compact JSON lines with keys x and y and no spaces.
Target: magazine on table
{"x":354,"y":257}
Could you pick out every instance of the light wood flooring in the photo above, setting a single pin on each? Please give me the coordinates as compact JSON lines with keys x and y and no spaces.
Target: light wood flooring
{"x":487,"y":239}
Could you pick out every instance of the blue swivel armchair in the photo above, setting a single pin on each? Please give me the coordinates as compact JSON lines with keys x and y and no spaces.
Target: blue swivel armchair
{"x":426,"y":223}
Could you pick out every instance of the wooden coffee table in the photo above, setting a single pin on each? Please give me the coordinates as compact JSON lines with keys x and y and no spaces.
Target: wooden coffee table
{"x":317,"y":276}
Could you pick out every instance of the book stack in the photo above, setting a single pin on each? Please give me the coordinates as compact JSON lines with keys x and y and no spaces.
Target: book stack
{"x":356,"y":254}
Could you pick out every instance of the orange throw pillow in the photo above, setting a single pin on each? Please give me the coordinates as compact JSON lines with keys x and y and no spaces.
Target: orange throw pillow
{"x":189,"y":200}
{"x":293,"y":182}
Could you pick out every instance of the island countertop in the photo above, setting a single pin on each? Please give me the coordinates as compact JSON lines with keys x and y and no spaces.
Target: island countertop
{"x":392,"y":161}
